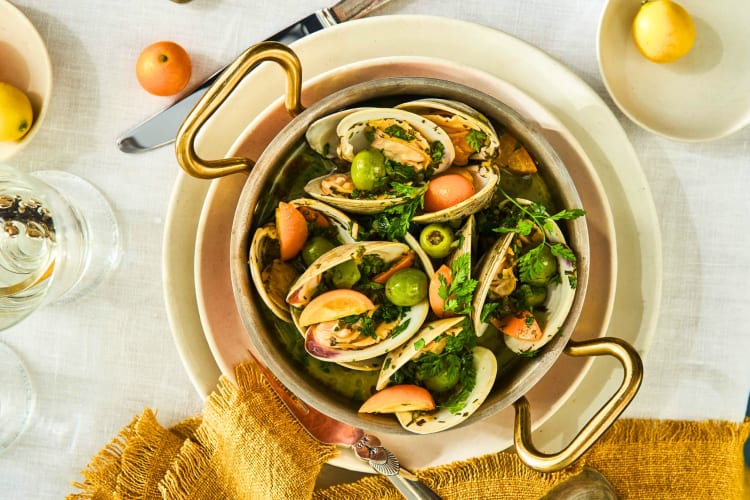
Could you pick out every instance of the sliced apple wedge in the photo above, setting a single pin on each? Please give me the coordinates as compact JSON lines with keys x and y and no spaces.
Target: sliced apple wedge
{"x":399,"y":398}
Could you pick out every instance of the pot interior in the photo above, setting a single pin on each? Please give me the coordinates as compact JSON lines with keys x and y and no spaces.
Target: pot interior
{"x":280,"y":174}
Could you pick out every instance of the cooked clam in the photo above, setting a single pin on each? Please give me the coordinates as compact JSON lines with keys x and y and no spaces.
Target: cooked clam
{"x":346,"y":325}
{"x":334,"y":189}
{"x":527,"y":305}
{"x":403,"y":137}
{"x":413,"y":148}
{"x":456,"y":403}
{"x":272,"y":276}
{"x":472,"y":135}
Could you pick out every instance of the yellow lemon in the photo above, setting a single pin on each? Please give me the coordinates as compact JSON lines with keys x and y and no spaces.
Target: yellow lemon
{"x":16,"y":115}
{"x":663,"y":31}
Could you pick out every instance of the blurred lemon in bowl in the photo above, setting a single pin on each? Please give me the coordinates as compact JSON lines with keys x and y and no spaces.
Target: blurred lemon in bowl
{"x":663,"y":31}
{"x":16,"y":115}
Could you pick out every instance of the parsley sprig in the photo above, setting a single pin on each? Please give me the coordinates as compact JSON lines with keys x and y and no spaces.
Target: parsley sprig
{"x":532,"y":263}
{"x":394,"y":222}
{"x":459,"y":293}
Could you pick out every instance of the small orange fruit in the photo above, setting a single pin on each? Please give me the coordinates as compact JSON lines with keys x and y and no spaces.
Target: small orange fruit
{"x":291,"y":228}
{"x":446,"y":191}
{"x":437,"y":303}
{"x":163,"y":68}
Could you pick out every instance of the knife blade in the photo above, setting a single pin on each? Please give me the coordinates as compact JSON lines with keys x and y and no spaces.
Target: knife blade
{"x":161,"y":128}
{"x":366,"y":446}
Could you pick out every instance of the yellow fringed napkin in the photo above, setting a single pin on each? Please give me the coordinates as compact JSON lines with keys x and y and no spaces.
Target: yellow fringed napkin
{"x":247,"y":446}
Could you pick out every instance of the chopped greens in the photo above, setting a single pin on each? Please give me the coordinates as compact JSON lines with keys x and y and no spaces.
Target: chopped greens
{"x":394,"y":222}
{"x":476,"y":139}
{"x":437,"y":151}
{"x":398,"y":132}
{"x":459,"y":294}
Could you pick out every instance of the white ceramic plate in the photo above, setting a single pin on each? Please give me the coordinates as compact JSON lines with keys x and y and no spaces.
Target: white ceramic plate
{"x":577,"y":106}
{"x":702,"y":96}
{"x":24,"y":63}
{"x":222,"y":323}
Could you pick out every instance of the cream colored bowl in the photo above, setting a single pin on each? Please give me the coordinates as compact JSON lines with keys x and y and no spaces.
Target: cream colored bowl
{"x":25,"y":64}
{"x":700,"y":97}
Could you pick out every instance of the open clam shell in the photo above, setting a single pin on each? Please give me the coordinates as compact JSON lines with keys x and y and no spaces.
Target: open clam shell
{"x":272,"y":277}
{"x":354,"y":205}
{"x":322,"y":136}
{"x":403,"y":137}
{"x":441,"y":419}
{"x":429,"y":340}
{"x":559,"y":297}
{"x":485,"y":178}
{"x":360,"y":348}
{"x":411,"y":146}
{"x":472,"y":135}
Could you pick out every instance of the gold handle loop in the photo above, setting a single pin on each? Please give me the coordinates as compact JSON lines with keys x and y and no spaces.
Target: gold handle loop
{"x":599,"y":423}
{"x":218,"y":92}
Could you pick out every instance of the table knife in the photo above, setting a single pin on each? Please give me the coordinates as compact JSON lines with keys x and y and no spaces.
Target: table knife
{"x":366,"y":446}
{"x":161,"y":129}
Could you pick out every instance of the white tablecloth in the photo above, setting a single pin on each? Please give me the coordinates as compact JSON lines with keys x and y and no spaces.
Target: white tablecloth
{"x":98,"y":362}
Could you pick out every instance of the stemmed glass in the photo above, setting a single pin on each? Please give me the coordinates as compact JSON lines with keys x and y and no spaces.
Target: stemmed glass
{"x":58,"y":240}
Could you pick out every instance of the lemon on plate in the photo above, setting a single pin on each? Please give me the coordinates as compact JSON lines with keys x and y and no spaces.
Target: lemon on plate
{"x":16,"y":115}
{"x":663,"y":31}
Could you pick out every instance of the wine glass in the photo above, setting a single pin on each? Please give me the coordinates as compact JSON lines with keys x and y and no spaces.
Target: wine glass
{"x":58,"y":240}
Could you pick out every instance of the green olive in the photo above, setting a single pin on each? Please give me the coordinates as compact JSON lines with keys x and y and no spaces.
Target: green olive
{"x":346,"y":274}
{"x":532,"y":295}
{"x":447,"y":377}
{"x":407,"y":287}
{"x":544,"y":269}
{"x":368,"y":169}
{"x":314,"y":248}
{"x":436,"y":240}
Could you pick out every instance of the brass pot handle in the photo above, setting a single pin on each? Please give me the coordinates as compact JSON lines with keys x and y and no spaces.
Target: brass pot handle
{"x":599,"y":423}
{"x":218,"y":92}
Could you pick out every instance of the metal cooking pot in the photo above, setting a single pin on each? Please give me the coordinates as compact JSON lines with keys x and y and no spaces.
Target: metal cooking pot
{"x":513,"y":386}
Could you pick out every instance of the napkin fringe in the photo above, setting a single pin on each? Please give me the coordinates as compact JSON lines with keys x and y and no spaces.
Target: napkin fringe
{"x":141,"y":458}
{"x":185,"y":472}
{"x":105,"y":467}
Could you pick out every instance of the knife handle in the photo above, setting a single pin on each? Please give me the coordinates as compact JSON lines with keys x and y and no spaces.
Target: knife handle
{"x":383,"y":461}
{"x":347,"y":10}
{"x":411,"y":487}
{"x":219,"y":92}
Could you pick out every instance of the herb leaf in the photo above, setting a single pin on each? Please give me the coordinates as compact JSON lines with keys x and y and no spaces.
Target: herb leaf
{"x":475,"y":139}
{"x":459,"y":294}
{"x":394,"y":222}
